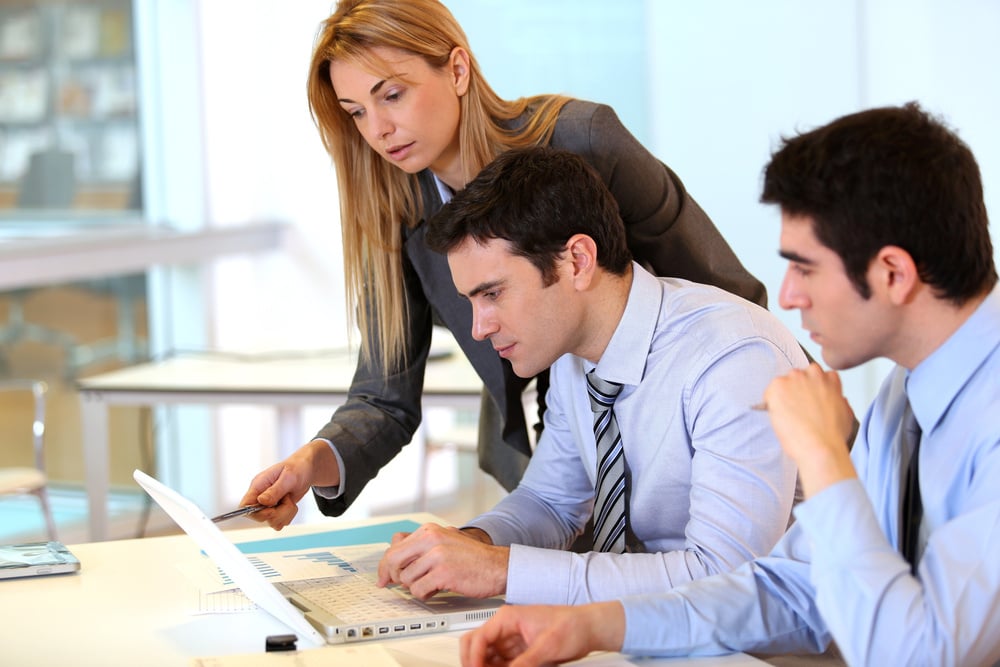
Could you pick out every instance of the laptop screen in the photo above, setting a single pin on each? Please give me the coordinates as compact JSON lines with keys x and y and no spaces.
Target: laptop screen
{"x":227,"y":556}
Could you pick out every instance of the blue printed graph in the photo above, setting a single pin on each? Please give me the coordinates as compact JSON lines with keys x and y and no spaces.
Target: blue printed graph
{"x":324,"y":558}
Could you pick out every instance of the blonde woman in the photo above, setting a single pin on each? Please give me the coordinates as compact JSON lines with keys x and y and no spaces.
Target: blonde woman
{"x":404,"y":111}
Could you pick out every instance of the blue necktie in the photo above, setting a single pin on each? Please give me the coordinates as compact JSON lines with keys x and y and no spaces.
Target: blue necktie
{"x":610,"y":509}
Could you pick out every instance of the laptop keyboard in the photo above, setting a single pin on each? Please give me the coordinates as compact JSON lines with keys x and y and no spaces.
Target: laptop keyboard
{"x":354,"y":599}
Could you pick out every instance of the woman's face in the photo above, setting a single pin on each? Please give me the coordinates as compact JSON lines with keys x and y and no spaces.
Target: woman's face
{"x":411,"y":116}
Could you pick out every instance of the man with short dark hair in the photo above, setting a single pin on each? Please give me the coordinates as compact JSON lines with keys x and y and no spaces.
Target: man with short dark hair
{"x":895,"y":554}
{"x":648,"y":423}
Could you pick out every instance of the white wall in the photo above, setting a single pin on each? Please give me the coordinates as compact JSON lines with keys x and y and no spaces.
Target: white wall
{"x":264,"y":161}
{"x":730,"y":78}
{"x":709,"y":85}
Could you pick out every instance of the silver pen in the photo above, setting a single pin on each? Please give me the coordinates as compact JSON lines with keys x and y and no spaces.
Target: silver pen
{"x":243,"y":511}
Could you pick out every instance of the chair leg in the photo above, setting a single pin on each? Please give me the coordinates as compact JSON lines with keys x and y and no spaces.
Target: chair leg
{"x":50,"y":523}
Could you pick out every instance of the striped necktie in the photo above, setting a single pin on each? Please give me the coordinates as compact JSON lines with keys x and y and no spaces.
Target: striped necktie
{"x":610,"y":509}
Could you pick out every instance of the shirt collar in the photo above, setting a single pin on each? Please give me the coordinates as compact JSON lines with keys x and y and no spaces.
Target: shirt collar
{"x":624,"y":359}
{"x":938,"y":378}
{"x":446,"y":192}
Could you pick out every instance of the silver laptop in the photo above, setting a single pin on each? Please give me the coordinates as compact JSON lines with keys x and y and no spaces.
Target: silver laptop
{"x":329,"y":609}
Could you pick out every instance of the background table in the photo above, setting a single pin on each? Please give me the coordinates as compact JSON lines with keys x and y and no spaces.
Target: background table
{"x":131,"y":605}
{"x":287,"y":384}
{"x":33,"y":254}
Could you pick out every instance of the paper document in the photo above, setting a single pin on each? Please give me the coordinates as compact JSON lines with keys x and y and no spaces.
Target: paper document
{"x":218,"y":594}
{"x":292,"y":565}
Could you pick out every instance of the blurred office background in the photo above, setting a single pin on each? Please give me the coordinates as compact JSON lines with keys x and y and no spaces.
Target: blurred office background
{"x":192,"y":116}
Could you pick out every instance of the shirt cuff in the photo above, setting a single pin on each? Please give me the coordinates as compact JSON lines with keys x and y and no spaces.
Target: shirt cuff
{"x":538,"y":576}
{"x":332,"y":492}
{"x":498,"y":529}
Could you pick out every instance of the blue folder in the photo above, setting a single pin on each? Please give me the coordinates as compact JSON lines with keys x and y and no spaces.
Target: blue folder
{"x":344,"y":537}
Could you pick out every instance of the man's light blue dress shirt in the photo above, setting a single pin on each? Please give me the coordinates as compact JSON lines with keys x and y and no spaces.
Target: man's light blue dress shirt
{"x":837,"y":574}
{"x":710,"y":486}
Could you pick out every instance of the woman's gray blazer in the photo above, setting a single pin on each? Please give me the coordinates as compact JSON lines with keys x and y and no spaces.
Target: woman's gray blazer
{"x":667,"y":232}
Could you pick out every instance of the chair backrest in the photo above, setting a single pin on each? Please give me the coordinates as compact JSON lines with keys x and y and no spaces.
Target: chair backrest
{"x":31,"y":480}
{"x":49,"y":181}
{"x":38,"y":390}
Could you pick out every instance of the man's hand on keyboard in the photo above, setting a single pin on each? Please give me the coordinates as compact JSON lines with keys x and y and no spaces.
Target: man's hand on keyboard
{"x":437,"y":558}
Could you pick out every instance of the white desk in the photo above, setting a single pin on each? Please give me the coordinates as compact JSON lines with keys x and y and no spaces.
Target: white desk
{"x":287,"y":384}
{"x":131,"y":605}
{"x":30,"y":257}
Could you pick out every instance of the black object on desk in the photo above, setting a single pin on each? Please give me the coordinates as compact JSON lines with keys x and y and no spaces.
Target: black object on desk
{"x":280,"y":643}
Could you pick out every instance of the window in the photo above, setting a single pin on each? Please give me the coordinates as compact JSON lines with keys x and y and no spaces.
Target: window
{"x":69,"y":139}
{"x":69,"y":166}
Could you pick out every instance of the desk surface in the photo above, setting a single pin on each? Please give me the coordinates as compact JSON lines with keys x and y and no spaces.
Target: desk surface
{"x":219,"y":377}
{"x":130,"y":604}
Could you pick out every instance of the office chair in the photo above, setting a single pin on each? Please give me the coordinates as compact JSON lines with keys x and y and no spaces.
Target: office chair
{"x":33,"y":480}
{"x":49,"y":181}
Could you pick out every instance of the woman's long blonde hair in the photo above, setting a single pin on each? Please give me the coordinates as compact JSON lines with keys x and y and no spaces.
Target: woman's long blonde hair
{"x":376,"y":198}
